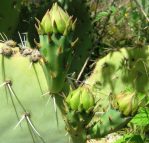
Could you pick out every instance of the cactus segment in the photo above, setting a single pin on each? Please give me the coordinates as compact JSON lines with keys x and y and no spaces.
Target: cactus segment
{"x":23,"y":95}
{"x":56,"y":46}
{"x":110,"y":121}
{"x":120,"y":70}
{"x":79,"y":112}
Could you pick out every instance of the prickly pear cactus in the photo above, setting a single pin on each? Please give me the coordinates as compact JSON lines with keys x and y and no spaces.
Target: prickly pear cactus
{"x":9,"y":16}
{"x":106,"y":102}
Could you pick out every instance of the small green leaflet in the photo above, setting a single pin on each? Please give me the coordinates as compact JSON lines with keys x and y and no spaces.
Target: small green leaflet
{"x":100,"y":15}
{"x":142,"y":118}
{"x":130,"y":138}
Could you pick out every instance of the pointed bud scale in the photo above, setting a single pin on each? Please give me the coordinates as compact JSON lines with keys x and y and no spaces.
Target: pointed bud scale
{"x":73,"y":99}
{"x":87,"y":99}
{"x":46,"y":23}
{"x":60,"y":17}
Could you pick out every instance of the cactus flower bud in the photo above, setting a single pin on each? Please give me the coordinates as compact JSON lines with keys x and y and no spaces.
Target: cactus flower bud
{"x":81,"y":99}
{"x":127,"y":103}
{"x":87,"y":99}
{"x":60,"y":19}
{"x":46,"y":23}
{"x":55,"y":21}
{"x":73,"y":99}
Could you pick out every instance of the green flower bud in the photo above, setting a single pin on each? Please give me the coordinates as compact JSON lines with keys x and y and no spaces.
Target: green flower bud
{"x":127,"y":103}
{"x":87,"y":99}
{"x":56,"y":21}
{"x":81,"y":99}
{"x":60,"y":19}
{"x":73,"y":99}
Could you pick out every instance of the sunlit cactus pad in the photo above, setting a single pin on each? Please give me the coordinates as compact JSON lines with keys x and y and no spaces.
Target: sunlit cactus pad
{"x":24,"y":78}
{"x":120,"y":71}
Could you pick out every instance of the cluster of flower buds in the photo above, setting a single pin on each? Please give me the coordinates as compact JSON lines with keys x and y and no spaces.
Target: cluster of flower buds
{"x":56,"y":20}
{"x":81,"y":99}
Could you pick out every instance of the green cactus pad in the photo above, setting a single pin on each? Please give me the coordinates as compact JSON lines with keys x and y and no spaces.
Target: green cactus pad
{"x":123,"y":69}
{"x":28,"y":84}
{"x":110,"y":121}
